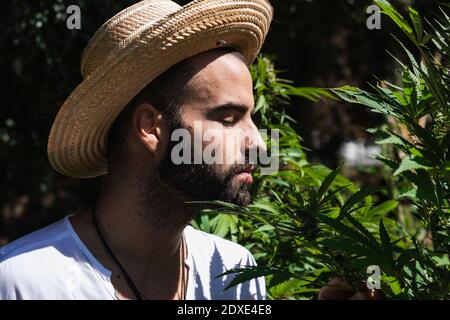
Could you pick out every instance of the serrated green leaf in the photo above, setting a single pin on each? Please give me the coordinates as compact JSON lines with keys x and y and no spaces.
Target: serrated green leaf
{"x":265,"y":207}
{"x":383,"y":208}
{"x":347,"y":231}
{"x":223,"y":224}
{"x":411,"y":194}
{"x":326,"y":183}
{"x":386,"y":242}
{"x":356,"y":95}
{"x":412,"y":163}
{"x":248,"y":273}
{"x":416,"y":22}
{"x":358,"y":196}
{"x":260,"y":104}
{"x":441,"y":261}
{"x":395,"y":16}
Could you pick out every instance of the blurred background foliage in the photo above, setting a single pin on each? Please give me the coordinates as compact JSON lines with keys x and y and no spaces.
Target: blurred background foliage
{"x":314,"y":43}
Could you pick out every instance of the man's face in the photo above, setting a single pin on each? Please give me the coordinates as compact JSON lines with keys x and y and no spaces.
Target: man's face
{"x":217,"y":112}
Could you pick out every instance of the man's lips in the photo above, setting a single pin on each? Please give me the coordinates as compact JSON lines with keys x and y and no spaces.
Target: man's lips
{"x":247,"y":177}
{"x":246,"y":174}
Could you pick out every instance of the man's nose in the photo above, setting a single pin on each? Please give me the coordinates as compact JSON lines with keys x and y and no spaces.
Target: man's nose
{"x":254,"y":140}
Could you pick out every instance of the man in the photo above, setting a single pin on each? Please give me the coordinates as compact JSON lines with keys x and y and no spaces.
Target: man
{"x":144,"y":78}
{"x":151,"y":70}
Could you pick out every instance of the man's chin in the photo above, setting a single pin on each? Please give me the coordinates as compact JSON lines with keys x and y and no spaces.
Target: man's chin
{"x":241,"y":198}
{"x":243,"y":203}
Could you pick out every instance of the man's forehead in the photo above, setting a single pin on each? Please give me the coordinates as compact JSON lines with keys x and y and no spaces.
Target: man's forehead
{"x":200,"y":89}
{"x":208,"y":98}
{"x":222,"y":85}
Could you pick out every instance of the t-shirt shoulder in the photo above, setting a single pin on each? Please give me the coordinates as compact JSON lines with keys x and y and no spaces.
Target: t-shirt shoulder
{"x":232,"y":252}
{"x":41,"y":238}
{"x":31,"y":264}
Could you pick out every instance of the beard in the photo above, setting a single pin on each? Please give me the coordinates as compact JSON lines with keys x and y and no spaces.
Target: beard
{"x":204,"y":182}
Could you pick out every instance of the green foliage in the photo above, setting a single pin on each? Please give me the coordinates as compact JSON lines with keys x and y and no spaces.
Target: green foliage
{"x":297,"y":211}
{"x":308,"y":223}
{"x":416,"y":148}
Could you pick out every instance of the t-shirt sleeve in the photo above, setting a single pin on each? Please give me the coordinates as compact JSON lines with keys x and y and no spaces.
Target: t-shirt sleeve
{"x":8,"y":288}
{"x":5,"y":292}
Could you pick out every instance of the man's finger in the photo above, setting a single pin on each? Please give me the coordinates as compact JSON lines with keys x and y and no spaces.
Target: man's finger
{"x":361,"y":295}
{"x":336,"y":289}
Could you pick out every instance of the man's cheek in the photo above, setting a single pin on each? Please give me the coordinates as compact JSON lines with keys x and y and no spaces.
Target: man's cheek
{"x":212,"y":151}
{"x":232,"y":148}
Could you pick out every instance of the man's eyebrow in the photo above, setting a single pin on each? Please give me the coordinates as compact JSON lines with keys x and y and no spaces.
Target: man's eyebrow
{"x":228,"y":107}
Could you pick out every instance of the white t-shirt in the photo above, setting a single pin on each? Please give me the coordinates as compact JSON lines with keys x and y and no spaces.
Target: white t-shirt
{"x":53,"y":263}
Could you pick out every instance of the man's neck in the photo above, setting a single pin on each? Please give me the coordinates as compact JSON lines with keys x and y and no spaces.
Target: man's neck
{"x":130,"y":232}
{"x":145,"y":238}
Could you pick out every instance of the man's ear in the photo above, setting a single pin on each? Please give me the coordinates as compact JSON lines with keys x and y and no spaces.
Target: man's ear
{"x":149,"y":127}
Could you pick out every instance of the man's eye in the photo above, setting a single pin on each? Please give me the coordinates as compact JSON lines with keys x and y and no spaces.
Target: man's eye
{"x":228,"y":121}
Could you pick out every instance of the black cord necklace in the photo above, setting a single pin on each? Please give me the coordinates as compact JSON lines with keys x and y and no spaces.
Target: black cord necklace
{"x":130,"y":282}
{"x":138,"y":294}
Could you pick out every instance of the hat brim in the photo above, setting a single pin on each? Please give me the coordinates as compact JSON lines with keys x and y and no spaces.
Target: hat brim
{"x":78,"y":138}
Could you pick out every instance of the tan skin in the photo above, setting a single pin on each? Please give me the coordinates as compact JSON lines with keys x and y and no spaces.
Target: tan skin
{"x":338,"y":289}
{"x":151,"y":255}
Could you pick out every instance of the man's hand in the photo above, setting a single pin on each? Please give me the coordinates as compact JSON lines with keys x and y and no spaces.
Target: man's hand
{"x":338,"y":289}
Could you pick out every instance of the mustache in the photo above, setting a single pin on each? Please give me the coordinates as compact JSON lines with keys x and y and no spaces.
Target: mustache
{"x":239,"y":168}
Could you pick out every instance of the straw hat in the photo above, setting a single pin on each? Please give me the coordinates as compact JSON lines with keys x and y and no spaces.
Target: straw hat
{"x":132,"y":49}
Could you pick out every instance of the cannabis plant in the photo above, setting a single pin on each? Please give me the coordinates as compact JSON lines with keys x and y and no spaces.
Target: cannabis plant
{"x":308,"y":223}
